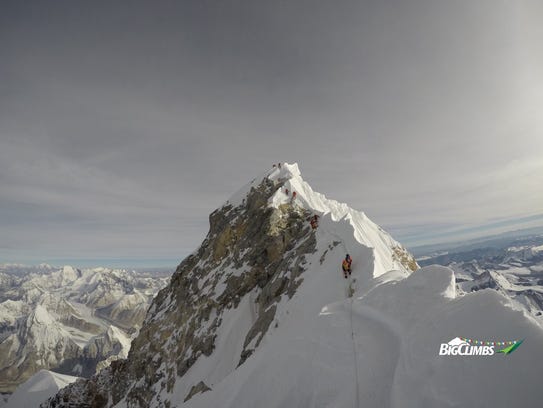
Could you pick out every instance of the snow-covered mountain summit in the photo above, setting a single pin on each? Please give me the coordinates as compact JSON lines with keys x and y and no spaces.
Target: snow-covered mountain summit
{"x":352,"y":227}
{"x":261,"y":315}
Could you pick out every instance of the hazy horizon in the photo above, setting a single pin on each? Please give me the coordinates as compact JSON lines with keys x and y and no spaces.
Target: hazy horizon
{"x":482,"y":232}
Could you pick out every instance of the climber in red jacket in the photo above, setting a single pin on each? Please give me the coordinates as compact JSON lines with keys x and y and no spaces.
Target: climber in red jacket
{"x":346,"y":265}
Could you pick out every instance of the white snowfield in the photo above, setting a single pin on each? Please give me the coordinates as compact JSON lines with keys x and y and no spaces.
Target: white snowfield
{"x":37,"y":389}
{"x":376,"y":348}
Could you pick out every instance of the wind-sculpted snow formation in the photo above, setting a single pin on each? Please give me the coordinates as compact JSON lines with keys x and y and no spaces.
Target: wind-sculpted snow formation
{"x":261,"y":315}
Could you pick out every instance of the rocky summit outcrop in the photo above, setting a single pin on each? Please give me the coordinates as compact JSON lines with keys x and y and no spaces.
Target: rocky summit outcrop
{"x":253,"y":250}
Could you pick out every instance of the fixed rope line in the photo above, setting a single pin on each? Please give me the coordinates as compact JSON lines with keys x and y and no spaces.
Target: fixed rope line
{"x":350,"y":294}
{"x":357,"y":401}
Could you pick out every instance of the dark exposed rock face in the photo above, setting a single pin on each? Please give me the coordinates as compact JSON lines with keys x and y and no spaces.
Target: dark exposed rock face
{"x":401,"y":255}
{"x":198,"y":388}
{"x":249,"y":248}
{"x":484,"y":281}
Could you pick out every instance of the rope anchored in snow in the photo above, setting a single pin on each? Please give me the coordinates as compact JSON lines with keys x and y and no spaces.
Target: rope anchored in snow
{"x":357,"y":401}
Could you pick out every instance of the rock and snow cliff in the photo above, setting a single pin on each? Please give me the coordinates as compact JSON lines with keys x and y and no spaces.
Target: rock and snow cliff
{"x":260,"y":315}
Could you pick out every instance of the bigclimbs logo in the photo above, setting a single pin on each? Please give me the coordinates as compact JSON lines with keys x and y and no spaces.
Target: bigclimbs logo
{"x":460,"y":346}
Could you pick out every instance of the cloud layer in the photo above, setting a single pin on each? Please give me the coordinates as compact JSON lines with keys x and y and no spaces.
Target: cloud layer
{"x":121,"y":127}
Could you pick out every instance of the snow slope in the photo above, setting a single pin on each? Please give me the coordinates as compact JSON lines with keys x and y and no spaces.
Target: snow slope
{"x":380,"y":347}
{"x":381,"y":350}
{"x":37,"y":389}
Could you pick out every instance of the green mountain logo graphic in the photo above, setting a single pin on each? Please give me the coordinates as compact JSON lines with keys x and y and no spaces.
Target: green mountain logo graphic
{"x":511,"y":348}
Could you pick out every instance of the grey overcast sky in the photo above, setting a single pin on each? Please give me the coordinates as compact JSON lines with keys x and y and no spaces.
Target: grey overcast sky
{"x":124,"y":124}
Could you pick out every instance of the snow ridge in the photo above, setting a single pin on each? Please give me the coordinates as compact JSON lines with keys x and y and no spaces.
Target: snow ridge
{"x":364,"y":231}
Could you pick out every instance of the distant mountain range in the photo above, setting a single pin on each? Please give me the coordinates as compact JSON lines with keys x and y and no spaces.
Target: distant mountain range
{"x":74,"y":321}
{"x":510,"y":265}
